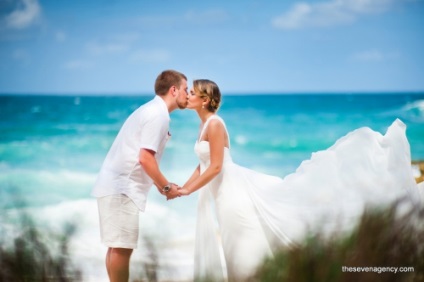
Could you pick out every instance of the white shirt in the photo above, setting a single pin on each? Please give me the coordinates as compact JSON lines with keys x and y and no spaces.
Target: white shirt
{"x":121,"y":173}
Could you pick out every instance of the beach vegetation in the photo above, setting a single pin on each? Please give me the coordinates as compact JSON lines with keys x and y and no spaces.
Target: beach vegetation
{"x":386,"y":245}
{"x":36,"y":254}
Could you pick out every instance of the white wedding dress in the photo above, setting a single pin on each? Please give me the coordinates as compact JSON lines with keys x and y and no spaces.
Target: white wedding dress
{"x":257,"y":212}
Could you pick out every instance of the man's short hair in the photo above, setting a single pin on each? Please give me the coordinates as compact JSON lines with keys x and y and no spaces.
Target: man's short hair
{"x":166,"y":80}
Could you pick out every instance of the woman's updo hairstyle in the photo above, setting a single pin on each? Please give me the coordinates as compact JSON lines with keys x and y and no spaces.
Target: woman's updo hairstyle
{"x":209,"y":89}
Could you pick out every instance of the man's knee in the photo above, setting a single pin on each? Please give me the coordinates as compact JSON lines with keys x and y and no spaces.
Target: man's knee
{"x":122,"y":252}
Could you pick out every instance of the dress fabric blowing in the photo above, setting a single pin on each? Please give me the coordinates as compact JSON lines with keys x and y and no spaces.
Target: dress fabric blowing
{"x":257,"y":212}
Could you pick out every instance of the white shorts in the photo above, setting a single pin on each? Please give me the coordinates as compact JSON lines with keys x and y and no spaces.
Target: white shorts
{"x":118,"y":221}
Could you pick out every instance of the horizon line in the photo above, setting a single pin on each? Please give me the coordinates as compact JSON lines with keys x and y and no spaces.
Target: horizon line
{"x":232,"y":93}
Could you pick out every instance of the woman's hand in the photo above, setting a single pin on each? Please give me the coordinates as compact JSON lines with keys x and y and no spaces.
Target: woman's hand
{"x":183,"y":191}
{"x":177,"y":193}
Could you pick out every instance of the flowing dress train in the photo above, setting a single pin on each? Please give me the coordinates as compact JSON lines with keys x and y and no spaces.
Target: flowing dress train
{"x":256,"y":212}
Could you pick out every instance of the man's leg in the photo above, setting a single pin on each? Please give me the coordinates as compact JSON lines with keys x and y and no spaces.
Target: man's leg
{"x":109,"y":250}
{"x":119,"y":223}
{"x":118,"y":264}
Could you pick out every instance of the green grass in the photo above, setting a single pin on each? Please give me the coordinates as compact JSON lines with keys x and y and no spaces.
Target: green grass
{"x":37,"y":256}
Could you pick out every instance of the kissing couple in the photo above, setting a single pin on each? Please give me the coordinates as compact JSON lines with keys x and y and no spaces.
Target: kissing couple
{"x":257,"y":213}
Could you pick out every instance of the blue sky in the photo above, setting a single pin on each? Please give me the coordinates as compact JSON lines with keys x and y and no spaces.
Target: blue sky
{"x":119,"y":47}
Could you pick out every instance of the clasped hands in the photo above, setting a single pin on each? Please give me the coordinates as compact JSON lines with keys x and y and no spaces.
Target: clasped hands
{"x":175,"y":191}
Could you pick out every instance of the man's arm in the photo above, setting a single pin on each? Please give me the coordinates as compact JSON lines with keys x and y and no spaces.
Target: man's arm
{"x":148,"y":162}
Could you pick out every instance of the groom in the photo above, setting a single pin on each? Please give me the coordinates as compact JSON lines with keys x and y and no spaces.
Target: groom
{"x":131,"y":167}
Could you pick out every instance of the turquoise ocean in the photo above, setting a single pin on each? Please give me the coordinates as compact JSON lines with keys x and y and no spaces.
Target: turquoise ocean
{"x":52,"y":147}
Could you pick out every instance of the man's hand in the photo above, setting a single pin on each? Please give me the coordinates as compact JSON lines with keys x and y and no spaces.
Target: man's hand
{"x":173,"y":192}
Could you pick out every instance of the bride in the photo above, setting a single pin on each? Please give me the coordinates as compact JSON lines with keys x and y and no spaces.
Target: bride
{"x":257,"y":212}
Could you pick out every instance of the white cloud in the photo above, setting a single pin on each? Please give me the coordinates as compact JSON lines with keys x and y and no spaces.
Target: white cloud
{"x":373,"y":56}
{"x":370,"y":55}
{"x":115,"y":44}
{"x":329,"y":13}
{"x":78,"y":65}
{"x":60,"y":36}
{"x":208,"y":16}
{"x":151,"y":56}
{"x":107,"y":48}
{"x":20,"y":55}
{"x":127,"y":38}
{"x":26,"y":14}
{"x":197,"y":17}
